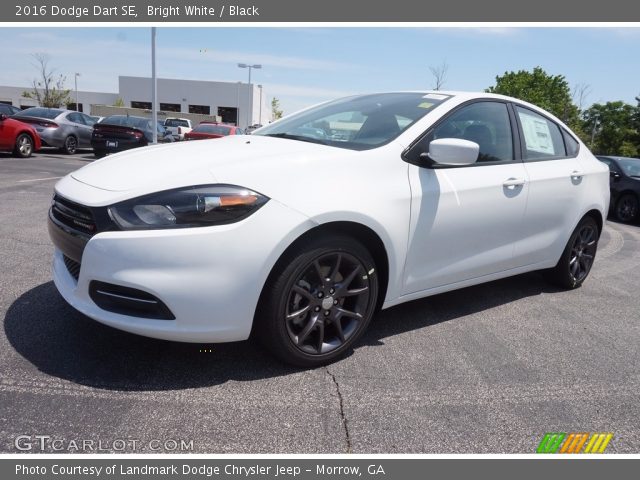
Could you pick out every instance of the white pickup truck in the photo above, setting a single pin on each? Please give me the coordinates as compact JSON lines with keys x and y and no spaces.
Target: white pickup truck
{"x":178,"y":127}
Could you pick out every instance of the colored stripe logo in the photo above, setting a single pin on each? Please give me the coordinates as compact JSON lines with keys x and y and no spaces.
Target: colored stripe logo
{"x":574,"y":442}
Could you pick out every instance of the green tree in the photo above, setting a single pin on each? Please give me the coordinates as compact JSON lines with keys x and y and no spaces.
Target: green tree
{"x":550,"y":92}
{"x":613,"y":128}
{"x":275,"y":108}
{"x":48,"y":90}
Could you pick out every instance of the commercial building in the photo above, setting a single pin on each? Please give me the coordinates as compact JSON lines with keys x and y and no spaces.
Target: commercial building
{"x":235,"y":102}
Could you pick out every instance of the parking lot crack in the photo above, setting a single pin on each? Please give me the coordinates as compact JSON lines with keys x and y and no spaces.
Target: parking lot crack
{"x":343,"y":417}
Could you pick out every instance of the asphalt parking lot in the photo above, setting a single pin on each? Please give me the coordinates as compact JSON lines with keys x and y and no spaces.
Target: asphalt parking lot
{"x":487,"y":369}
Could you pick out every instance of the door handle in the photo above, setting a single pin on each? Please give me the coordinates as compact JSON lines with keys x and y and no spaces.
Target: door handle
{"x":513,"y":183}
{"x":576,"y":175}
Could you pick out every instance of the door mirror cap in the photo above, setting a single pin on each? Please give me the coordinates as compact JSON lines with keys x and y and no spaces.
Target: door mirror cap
{"x":3,"y":117}
{"x":451,"y":152}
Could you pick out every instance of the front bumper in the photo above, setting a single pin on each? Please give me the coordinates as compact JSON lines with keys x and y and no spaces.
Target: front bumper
{"x":210,"y":278}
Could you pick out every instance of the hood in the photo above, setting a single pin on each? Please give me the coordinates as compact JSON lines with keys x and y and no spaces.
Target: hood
{"x":237,"y":159}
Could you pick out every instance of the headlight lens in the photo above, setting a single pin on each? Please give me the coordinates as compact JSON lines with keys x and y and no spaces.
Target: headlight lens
{"x":198,"y":206}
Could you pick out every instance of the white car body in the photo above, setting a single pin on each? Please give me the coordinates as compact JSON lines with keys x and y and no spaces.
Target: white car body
{"x":442,"y":229}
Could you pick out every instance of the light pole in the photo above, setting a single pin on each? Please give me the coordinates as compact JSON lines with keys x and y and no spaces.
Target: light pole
{"x":238,"y":104}
{"x":260,"y":115}
{"x":154,"y":88}
{"x":245,"y":65}
{"x":76,"y":82}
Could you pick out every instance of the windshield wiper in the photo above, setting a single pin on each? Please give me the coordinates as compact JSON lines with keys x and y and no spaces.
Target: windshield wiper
{"x":291,"y":136}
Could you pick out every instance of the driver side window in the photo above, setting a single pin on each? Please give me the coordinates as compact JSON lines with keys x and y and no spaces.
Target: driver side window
{"x":485,"y":123}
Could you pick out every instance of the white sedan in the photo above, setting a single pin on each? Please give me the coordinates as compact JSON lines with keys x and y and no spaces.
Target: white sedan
{"x":299,"y":232}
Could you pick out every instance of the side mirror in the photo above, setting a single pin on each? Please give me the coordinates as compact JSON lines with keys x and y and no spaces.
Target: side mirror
{"x":2,"y":117}
{"x":451,"y":152}
{"x":614,"y":175}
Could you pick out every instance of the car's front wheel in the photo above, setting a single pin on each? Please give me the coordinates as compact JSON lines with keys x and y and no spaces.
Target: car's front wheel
{"x":627,"y":208}
{"x":577,"y":259}
{"x":318,"y":301}
{"x":24,"y":146}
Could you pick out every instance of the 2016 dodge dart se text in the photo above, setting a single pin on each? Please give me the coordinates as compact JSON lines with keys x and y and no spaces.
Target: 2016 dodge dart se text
{"x":299,"y":232}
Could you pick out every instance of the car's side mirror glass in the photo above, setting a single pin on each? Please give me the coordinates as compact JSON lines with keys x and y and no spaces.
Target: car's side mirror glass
{"x":450,"y":152}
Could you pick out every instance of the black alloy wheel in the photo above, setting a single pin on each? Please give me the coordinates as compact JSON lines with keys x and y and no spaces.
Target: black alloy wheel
{"x":24,"y":146}
{"x":320,"y":302}
{"x":577,"y":259}
{"x":583,"y":252}
{"x":627,"y":208}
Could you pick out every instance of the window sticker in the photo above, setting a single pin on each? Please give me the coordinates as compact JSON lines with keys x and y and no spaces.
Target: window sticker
{"x":436,"y":96}
{"x":537,"y":134}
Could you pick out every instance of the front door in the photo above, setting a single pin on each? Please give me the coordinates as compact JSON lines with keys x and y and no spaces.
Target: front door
{"x":465,"y":221}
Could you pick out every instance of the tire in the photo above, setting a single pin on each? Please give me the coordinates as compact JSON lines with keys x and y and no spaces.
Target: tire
{"x":98,"y":154}
{"x":24,"y":146}
{"x":577,"y":259}
{"x":70,"y":145}
{"x":626,"y":209}
{"x":318,"y":301}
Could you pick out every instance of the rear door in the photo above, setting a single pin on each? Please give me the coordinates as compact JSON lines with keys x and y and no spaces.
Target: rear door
{"x":466,"y":220}
{"x":83,"y":130}
{"x":555,"y":188}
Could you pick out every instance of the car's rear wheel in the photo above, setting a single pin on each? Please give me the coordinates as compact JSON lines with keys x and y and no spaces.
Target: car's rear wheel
{"x":70,"y":145}
{"x":319,"y":301}
{"x":24,"y":146}
{"x":577,"y":259}
{"x":627,"y":208}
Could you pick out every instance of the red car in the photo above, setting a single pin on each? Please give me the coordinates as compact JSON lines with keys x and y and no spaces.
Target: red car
{"x":18,"y":137}
{"x":212,"y":130}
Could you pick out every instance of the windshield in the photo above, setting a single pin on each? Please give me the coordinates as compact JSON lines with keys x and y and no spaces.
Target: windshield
{"x":357,"y":123}
{"x":631,"y":166}
{"x":215,"y":129}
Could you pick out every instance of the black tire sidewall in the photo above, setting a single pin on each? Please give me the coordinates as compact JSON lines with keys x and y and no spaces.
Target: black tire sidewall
{"x":619,"y":203}
{"x":271,"y":312}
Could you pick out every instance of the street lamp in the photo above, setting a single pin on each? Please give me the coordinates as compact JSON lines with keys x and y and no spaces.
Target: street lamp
{"x":238,"y":104}
{"x":260,"y":115}
{"x":76,"y":82}
{"x":245,"y":65}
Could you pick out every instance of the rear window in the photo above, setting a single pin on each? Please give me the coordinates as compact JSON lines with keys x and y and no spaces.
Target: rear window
{"x":214,"y":129}
{"x":175,"y":122}
{"x":135,"y":122}
{"x":49,"y":113}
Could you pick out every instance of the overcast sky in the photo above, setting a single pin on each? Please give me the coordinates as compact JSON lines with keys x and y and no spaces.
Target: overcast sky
{"x":303,"y":66}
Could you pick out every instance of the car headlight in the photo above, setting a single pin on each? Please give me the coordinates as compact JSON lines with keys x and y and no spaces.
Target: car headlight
{"x":198,"y":206}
